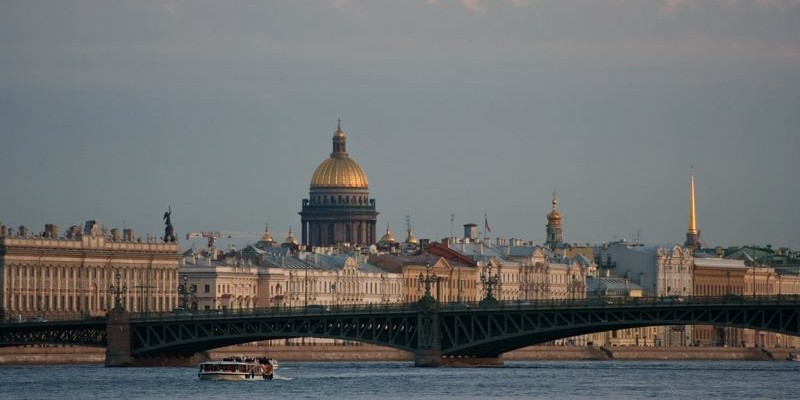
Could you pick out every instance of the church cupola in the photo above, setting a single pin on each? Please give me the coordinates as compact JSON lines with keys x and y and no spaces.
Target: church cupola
{"x":554,"y":230}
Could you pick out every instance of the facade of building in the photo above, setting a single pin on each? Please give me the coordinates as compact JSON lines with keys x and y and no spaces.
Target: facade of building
{"x":264,"y":276}
{"x":661,"y":271}
{"x":338,"y":209}
{"x":721,"y":278}
{"x":52,"y":276}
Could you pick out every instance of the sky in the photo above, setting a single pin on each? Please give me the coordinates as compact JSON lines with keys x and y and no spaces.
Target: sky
{"x":114,"y":111}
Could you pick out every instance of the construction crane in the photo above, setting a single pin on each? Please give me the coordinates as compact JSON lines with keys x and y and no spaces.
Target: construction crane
{"x":212,"y":236}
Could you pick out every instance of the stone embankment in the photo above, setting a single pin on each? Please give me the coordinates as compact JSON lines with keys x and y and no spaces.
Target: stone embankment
{"x":94,"y":355}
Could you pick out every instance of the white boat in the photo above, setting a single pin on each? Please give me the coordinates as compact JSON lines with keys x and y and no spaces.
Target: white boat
{"x":238,"y":369}
{"x":794,"y":357}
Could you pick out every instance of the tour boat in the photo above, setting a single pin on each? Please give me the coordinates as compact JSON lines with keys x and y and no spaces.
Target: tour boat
{"x":794,"y":357}
{"x":238,"y":369}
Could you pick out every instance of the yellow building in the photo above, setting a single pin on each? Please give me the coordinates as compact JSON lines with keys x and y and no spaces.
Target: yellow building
{"x":64,"y":277}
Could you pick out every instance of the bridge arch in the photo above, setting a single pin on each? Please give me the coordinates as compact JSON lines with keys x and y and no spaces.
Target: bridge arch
{"x":497,"y":331}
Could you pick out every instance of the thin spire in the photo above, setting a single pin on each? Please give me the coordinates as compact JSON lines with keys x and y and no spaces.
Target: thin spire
{"x":555,"y":200}
{"x":692,"y":215}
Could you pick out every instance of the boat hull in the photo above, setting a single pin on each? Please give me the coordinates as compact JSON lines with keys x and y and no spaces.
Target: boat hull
{"x":237,"y":370}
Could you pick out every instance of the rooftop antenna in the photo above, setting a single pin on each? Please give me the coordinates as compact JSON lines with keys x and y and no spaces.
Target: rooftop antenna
{"x":452,"y":219}
{"x":637,"y":233}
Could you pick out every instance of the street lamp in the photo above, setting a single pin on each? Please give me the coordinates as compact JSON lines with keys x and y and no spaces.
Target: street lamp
{"x":118,"y":291}
{"x":427,"y":280}
{"x":186,"y":292}
{"x":333,"y":290}
{"x":489,"y":281}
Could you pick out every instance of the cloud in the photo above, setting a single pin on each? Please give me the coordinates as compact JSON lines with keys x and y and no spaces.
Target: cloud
{"x":342,"y":3}
{"x":474,"y":6}
{"x":670,"y":7}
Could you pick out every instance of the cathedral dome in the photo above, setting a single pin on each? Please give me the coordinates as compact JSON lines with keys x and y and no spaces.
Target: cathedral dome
{"x":339,"y":170}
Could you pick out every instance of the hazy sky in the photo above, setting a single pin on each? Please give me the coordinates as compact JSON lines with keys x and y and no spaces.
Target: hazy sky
{"x":223,"y":109}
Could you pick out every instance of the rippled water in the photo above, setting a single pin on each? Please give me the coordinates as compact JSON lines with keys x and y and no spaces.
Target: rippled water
{"x":390,"y":380}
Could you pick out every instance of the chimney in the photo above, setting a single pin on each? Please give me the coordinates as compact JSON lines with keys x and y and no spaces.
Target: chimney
{"x":115,"y":234}
{"x":127,"y":235}
{"x":23,"y":231}
{"x":471,"y":232}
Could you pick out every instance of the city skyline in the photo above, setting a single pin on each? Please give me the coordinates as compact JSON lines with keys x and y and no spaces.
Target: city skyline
{"x":114,"y":112}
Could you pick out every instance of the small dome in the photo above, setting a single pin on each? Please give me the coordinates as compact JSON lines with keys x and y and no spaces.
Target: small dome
{"x":411,"y":239}
{"x":290,"y":239}
{"x":554,"y":217}
{"x":267,"y":237}
{"x":388,"y":237}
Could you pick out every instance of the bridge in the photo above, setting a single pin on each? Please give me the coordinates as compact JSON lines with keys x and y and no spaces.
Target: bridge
{"x":437,"y":333}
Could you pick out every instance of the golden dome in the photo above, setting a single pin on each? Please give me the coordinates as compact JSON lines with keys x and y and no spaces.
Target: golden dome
{"x":554,"y":217}
{"x":290,"y":239}
{"x":339,"y":172}
{"x":267,"y":237}
{"x":388,"y":237}
{"x":410,"y":239}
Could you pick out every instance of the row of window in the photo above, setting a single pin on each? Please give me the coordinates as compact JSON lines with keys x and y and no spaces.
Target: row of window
{"x":340,"y":199}
{"x":94,"y":272}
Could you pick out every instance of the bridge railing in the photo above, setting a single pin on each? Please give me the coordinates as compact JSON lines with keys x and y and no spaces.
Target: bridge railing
{"x":619,"y":302}
{"x":312,"y":309}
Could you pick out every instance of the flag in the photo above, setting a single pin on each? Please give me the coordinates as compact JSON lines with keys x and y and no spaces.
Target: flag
{"x":486,"y":226}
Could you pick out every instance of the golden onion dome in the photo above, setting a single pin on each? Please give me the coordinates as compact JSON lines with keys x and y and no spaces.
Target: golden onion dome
{"x":554,"y":216}
{"x":410,"y":239}
{"x":387,"y":237}
{"x":339,"y":170}
{"x":290,"y":239}
{"x":267,"y":237}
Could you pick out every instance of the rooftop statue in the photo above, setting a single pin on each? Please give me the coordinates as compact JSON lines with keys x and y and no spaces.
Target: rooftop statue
{"x":169,"y":236}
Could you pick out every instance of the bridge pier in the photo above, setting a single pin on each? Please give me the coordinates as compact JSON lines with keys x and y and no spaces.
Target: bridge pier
{"x":118,"y":335}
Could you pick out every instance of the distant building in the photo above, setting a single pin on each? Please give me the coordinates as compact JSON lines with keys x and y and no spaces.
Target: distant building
{"x":661,"y":271}
{"x":57,"y":276}
{"x":718,"y":277}
{"x":338,"y":208}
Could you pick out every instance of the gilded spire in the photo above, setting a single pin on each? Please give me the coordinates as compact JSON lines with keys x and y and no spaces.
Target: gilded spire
{"x":692,"y":216}
{"x":693,"y":240}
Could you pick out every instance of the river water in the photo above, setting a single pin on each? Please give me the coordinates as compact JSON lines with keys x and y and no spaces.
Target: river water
{"x":401,"y":380}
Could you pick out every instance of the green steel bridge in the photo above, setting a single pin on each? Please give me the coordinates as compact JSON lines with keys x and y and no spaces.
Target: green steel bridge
{"x":435,"y":332}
